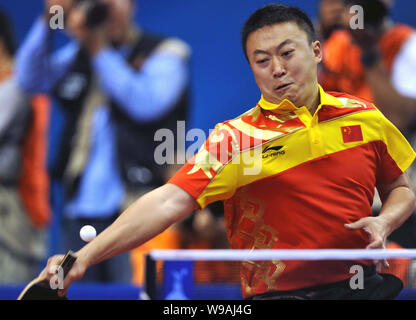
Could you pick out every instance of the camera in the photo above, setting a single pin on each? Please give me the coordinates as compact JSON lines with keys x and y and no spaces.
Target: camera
{"x":97,"y":12}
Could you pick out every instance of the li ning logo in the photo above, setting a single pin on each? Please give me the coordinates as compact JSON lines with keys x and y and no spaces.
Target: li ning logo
{"x":273,"y":152}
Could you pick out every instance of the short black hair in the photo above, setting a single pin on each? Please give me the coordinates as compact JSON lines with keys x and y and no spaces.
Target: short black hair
{"x":7,"y":34}
{"x":276,"y":13}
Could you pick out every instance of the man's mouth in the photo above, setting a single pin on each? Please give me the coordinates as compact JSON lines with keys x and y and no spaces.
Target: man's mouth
{"x":282,"y":87}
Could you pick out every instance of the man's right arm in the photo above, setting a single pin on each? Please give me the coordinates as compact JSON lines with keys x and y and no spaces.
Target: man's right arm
{"x":147,"y":217}
{"x":37,"y":68}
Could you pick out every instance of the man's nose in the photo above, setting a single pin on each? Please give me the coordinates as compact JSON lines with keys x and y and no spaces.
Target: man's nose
{"x":278,"y":68}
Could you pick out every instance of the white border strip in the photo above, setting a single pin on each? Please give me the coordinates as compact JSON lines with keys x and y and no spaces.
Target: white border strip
{"x":294,"y":254}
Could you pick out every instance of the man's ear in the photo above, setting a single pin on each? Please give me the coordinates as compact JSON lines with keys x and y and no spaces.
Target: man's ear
{"x":317,"y":51}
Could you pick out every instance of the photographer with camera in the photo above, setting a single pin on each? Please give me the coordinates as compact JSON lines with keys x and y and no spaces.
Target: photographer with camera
{"x":116,"y":85}
{"x":374,"y":62}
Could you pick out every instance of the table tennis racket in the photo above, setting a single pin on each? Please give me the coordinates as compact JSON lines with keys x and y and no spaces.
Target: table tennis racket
{"x":40,"y":288}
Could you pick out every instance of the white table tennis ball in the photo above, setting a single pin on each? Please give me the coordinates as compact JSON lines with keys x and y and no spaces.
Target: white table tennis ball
{"x":87,"y":233}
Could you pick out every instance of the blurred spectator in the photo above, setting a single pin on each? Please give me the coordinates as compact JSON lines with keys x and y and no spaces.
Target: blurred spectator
{"x":24,"y":198}
{"x":116,"y":85}
{"x":377,"y":63}
{"x":329,"y":18}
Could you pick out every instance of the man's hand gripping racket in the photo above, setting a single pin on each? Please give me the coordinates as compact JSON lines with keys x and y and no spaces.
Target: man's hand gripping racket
{"x":49,"y":285}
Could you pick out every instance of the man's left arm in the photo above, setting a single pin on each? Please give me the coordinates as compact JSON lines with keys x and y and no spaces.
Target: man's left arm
{"x":398,"y":203}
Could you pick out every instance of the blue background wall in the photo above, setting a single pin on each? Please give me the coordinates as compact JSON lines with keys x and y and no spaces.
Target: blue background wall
{"x":223,"y":86}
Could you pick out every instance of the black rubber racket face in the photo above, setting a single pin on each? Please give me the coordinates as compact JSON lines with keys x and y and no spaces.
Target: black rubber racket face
{"x":42,"y":291}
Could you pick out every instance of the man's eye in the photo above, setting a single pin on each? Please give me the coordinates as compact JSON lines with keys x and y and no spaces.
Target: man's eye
{"x":286,"y":53}
{"x":262,"y":61}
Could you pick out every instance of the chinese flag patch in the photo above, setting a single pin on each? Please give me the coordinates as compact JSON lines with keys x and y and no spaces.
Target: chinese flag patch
{"x":352,"y":133}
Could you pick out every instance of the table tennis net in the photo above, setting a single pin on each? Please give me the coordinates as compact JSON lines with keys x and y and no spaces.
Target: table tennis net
{"x":190,"y":269}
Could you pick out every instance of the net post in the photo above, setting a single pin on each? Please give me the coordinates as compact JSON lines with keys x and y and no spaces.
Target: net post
{"x":149,"y":290}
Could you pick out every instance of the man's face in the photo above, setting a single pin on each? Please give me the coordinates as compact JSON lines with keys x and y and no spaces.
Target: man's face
{"x":121,"y":12}
{"x":284,"y":63}
{"x":331,"y":13}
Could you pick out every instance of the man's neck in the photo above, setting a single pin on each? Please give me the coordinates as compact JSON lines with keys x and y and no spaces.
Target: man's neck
{"x":314,"y":101}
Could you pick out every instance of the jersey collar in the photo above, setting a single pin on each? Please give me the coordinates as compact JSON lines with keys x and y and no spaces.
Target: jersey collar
{"x":287,"y":106}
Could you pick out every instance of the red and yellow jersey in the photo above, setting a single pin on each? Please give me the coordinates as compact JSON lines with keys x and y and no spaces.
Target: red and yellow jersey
{"x":291,"y":180}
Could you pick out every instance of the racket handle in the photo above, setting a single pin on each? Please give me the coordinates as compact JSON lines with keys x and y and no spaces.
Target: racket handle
{"x":67,"y":262}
